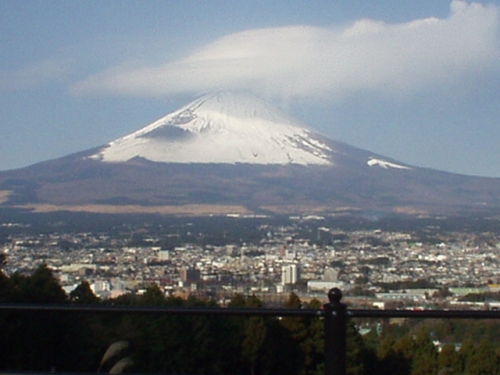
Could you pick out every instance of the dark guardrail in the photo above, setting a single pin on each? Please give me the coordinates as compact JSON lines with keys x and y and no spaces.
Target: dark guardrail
{"x":335,"y":315}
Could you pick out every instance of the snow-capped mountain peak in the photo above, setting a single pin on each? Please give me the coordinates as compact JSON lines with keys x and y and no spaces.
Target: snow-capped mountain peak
{"x":222,"y":128}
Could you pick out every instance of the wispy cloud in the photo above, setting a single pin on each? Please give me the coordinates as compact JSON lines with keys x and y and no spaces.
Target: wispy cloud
{"x":36,"y":74}
{"x":303,"y":61}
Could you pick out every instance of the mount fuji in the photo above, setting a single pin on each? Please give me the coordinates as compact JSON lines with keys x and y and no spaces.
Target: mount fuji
{"x":228,"y":153}
{"x":222,"y":128}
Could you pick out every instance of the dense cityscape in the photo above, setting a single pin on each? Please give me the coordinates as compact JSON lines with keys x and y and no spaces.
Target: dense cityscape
{"x":374,"y":267}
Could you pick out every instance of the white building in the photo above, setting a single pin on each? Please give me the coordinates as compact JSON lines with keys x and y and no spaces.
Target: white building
{"x":289,"y":274}
{"x":100,"y":286}
{"x":163,"y":255}
{"x":324,"y":286}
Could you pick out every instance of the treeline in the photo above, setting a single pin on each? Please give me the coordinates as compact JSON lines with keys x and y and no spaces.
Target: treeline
{"x":158,"y":343}
{"x":178,"y":344}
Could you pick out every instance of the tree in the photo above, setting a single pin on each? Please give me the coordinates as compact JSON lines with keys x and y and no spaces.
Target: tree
{"x":293,"y":302}
{"x":254,"y":330}
{"x":404,"y":348}
{"x":255,"y":335}
{"x":482,"y":360}
{"x":296,"y":326}
{"x":466,"y":350}
{"x":39,"y":340}
{"x":298,"y":329}
{"x":5,"y":287}
{"x":83,"y":295}
{"x":449,"y":360}
{"x":391,"y":361}
{"x":425,"y":355}
{"x":40,"y":287}
{"x":357,"y":353}
{"x":237,"y":301}
{"x":153,"y":296}
{"x":253,"y":302}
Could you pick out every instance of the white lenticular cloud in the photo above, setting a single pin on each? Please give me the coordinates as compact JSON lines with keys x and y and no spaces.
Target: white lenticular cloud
{"x":303,"y":61}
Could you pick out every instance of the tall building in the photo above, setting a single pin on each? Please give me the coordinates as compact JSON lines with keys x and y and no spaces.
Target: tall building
{"x":190,"y":275}
{"x":289,"y":274}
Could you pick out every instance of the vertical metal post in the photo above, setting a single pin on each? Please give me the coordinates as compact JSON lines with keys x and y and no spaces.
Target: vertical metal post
{"x":335,"y":334}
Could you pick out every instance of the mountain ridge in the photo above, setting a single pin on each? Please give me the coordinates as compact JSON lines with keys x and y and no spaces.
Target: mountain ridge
{"x":322,"y":176}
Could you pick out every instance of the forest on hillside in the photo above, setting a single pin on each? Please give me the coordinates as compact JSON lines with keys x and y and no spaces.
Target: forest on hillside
{"x":51,"y":341}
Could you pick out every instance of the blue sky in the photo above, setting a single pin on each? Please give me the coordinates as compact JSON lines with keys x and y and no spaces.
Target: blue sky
{"x":417,"y":81}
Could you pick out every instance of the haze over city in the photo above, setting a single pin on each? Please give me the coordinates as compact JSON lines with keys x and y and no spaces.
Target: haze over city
{"x":417,"y":82}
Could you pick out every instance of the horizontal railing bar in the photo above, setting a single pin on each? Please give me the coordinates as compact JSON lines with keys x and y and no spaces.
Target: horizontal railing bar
{"x":164,"y":309}
{"x":441,"y":314}
{"x":277,"y":312}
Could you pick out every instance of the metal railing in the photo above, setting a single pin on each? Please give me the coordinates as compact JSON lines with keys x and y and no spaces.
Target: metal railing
{"x":335,"y":315}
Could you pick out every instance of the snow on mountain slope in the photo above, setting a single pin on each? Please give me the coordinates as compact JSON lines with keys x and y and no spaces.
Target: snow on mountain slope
{"x":222,"y":128}
{"x":384,"y":164}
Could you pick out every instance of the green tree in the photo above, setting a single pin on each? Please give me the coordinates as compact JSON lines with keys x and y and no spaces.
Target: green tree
{"x":254,"y":331}
{"x":255,"y":335}
{"x":313,"y":345}
{"x":482,"y":360}
{"x":5,"y":287}
{"x":298,"y":330}
{"x":153,"y":296}
{"x":296,"y":326}
{"x":467,"y":350}
{"x":404,"y":348}
{"x":281,"y":354}
{"x":293,"y":302}
{"x":83,"y":295}
{"x":253,"y":302}
{"x":39,"y":341}
{"x":449,"y":360}
{"x":391,"y":361}
{"x":425,"y":355}
{"x":40,"y":287}
{"x":357,"y":353}
{"x":237,"y":301}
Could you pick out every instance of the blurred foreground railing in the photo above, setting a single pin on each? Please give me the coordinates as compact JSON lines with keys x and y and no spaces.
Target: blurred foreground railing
{"x":335,"y":315}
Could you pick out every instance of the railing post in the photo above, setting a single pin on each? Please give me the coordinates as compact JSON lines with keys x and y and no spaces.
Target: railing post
{"x":335,"y":334}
